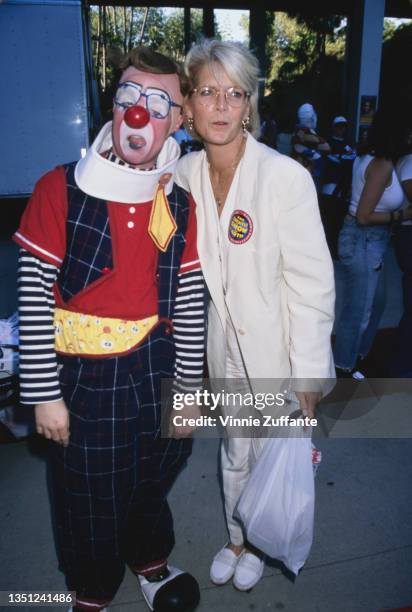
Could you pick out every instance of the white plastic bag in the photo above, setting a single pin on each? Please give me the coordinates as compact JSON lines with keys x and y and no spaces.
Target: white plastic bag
{"x":277,"y":504}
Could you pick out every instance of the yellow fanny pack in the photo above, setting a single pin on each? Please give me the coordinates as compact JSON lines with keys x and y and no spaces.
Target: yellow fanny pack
{"x":90,"y":335}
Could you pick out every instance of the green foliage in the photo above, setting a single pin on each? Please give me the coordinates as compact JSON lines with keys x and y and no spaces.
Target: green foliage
{"x":296,"y":43}
{"x":116,"y":30}
{"x":307,"y":65}
{"x":322,"y":88}
{"x":305,"y":54}
{"x":389,"y":29}
{"x":244,"y":23}
{"x":173,"y":43}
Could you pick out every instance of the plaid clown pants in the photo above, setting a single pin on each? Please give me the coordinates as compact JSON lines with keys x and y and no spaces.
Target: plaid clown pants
{"x":109,"y":485}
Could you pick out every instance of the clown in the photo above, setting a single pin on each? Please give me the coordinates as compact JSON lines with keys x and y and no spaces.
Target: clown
{"x":108,"y":256}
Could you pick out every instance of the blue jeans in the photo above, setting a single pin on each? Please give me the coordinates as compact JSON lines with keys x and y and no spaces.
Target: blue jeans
{"x":361,"y":252}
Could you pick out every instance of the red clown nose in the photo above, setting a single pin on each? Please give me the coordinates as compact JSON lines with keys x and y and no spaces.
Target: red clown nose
{"x":136,"y":117}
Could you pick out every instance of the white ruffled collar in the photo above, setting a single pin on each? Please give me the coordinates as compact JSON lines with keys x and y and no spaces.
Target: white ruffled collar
{"x":106,"y":180}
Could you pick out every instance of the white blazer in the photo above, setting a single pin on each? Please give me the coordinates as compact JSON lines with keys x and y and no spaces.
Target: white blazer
{"x":280,"y":293}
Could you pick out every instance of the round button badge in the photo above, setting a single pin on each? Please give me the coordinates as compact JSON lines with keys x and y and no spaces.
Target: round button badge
{"x":240,"y":227}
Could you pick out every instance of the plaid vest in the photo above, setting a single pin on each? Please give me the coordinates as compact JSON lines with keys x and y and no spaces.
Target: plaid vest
{"x":89,"y":244}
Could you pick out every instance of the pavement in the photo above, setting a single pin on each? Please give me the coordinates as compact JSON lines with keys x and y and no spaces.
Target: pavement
{"x":361,"y":558}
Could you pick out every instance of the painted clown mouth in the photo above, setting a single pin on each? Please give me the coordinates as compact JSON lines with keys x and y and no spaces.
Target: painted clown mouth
{"x":136,"y":142}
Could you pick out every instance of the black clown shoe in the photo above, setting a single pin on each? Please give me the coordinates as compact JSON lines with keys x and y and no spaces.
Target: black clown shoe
{"x":176,"y":592}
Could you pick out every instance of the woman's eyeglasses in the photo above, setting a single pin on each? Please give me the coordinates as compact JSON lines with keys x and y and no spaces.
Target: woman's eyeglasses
{"x":234,"y":96}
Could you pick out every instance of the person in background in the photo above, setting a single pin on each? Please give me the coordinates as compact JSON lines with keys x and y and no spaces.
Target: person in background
{"x":337,"y":171}
{"x":308,"y":148}
{"x":265,"y":260}
{"x":336,"y":182}
{"x":367,"y":111}
{"x":375,"y":206}
{"x":401,"y":365}
{"x":184,"y":140}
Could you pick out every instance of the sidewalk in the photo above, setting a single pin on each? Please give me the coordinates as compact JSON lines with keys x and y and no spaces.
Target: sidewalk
{"x":361,"y":557}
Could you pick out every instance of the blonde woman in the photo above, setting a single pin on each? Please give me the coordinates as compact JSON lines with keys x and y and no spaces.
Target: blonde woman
{"x":264,"y":257}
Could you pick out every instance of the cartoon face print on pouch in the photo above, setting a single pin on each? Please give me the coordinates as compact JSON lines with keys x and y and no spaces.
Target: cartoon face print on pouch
{"x":240,"y":227}
{"x":140,"y":142}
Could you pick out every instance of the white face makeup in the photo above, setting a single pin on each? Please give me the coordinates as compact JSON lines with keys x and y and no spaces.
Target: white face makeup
{"x":132,"y":139}
{"x":140,"y":146}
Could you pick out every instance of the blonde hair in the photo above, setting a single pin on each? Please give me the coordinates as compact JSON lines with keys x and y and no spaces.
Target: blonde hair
{"x":237,"y":61}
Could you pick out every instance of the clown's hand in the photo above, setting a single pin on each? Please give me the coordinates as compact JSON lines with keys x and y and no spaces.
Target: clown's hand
{"x":182,"y":422}
{"x":52,"y":421}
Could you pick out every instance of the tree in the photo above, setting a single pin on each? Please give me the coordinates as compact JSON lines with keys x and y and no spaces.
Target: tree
{"x":321,"y":29}
{"x":173,"y":43}
{"x":115,"y":30}
{"x":244,"y":24}
{"x":298,"y":43}
{"x":304,"y":65}
{"x":389,"y":29}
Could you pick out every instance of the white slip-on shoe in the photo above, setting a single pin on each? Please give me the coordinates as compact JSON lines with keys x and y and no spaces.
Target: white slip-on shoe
{"x":248,"y":571}
{"x":224,"y":565}
{"x":178,"y":591}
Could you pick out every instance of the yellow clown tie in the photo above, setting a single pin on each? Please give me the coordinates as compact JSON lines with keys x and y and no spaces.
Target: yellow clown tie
{"x":162,"y":225}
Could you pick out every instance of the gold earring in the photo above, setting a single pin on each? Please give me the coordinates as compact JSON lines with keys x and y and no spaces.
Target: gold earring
{"x":245,"y":124}
{"x":190,"y":123}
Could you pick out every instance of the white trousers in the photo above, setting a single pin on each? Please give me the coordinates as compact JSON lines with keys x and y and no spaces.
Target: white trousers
{"x":238,"y":454}
{"x":235,"y":453}
{"x":235,"y":462}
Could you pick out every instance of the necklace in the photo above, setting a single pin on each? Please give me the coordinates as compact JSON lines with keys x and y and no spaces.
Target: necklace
{"x":221,"y":185}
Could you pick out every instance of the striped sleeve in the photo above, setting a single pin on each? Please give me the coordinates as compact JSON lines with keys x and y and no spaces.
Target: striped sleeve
{"x":39,"y":380}
{"x":189,"y":330}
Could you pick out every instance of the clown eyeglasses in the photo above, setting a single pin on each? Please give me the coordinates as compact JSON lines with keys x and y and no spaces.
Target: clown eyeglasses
{"x":158,"y":102}
{"x":234,"y":96}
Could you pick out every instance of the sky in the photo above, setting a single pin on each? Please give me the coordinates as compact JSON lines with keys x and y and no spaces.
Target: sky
{"x":229,"y":22}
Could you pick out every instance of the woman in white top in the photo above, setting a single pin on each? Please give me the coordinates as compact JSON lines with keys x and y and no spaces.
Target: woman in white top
{"x":375,"y":206}
{"x":265,"y":260}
